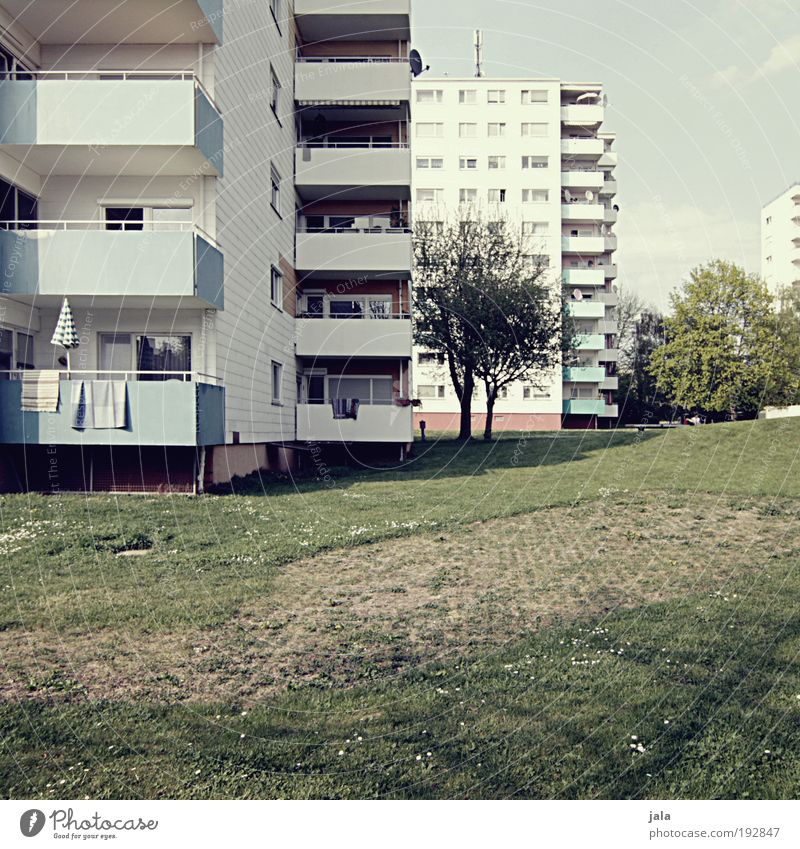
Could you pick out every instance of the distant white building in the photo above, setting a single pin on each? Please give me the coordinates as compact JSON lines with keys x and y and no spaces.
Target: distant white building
{"x":532,"y":151}
{"x":780,"y":240}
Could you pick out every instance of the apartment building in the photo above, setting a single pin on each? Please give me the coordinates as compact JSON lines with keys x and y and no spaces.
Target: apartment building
{"x":210,"y":234}
{"x":780,"y":240}
{"x":532,"y":151}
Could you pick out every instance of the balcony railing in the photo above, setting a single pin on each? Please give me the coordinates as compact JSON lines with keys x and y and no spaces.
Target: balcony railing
{"x":126,"y":374}
{"x":324,"y":144}
{"x":334,"y":59}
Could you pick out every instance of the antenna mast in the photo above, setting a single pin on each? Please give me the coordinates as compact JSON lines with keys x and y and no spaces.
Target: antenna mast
{"x":478,"y":53}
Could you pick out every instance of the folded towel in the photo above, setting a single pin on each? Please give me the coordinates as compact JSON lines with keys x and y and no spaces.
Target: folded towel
{"x":341,"y":408}
{"x":40,"y":391}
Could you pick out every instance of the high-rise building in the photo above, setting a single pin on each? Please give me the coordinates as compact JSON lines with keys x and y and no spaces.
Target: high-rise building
{"x":237,"y":261}
{"x":532,"y":151}
{"x":780,"y":240}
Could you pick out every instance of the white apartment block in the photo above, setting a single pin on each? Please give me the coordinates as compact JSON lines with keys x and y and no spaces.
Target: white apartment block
{"x":780,"y":240}
{"x":215,"y":187}
{"x":530,"y":150}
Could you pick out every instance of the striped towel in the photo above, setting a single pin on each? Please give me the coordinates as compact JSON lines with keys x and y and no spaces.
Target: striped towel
{"x":341,"y":408}
{"x":40,"y":391}
{"x":99,"y":404}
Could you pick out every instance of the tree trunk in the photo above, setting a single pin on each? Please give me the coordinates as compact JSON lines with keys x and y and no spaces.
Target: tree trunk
{"x":465,"y":427}
{"x":487,"y":431}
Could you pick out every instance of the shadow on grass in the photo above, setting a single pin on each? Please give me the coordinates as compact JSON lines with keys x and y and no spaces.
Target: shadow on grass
{"x":442,"y":456}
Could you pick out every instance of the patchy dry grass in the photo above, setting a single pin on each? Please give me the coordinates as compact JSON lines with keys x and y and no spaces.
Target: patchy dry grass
{"x":377,"y":611}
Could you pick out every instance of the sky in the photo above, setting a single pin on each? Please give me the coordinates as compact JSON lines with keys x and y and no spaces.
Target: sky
{"x":703,"y":97}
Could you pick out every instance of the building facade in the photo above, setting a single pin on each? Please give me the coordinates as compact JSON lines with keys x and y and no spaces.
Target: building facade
{"x":532,"y":151}
{"x":215,"y":189}
{"x":780,"y":241}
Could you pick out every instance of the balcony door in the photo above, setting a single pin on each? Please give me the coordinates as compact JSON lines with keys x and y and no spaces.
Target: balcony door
{"x":116,"y":355}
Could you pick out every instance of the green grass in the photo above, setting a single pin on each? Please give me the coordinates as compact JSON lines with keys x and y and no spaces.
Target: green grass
{"x":722,"y":669}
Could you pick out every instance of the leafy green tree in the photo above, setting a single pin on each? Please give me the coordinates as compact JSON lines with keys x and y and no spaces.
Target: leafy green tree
{"x":722,"y":355}
{"x":484,"y":301}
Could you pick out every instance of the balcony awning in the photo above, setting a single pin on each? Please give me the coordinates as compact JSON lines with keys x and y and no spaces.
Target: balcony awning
{"x":363,"y":103}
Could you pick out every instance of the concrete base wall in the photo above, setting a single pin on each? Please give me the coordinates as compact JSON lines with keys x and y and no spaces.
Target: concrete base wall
{"x":500,"y":423}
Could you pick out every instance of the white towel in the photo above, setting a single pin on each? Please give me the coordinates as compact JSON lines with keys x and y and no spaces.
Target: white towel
{"x":99,"y":404}
{"x":40,"y":391}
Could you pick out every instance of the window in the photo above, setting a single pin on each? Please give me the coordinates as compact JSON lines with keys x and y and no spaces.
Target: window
{"x":275,"y":189}
{"x":429,"y":195}
{"x":769,"y":259}
{"x":277,"y":383}
{"x":502,"y":392}
{"x":535,"y":228}
{"x":497,"y":163}
{"x":429,"y":162}
{"x":468,"y":131}
{"x":430,"y":358}
{"x":368,"y":390}
{"x":6,"y":352}
{"x":496,"y":130}
{"x":276,"y":288}
{"x":275,"y":91}
{"x":468,"y":96}
{"x":25,"y":358}
{"x":427,"y":130}
{"x":496,"y":95}
{"x":157,"y":353}
{"x":429,"y":95}
{"x":529,"y":392}
{"x":467,"y":195}
{"x":497,"y":195}
{"x":534,"y":130}
{"x":467,"y":163}
{"x":16,"y":207}
{"x":430,"y":390}
{"x":147,"y":218}
{"x":535,"y":195}
{"x":530,"y":97}
{"x":535,"y":161}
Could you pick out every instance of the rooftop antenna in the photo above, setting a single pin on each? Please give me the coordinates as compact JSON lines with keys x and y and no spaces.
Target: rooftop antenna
{"x":478,"y":53}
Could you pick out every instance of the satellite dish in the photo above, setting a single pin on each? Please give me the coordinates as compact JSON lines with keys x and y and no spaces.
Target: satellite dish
{"x":605,"y":100}
{"x":568,"y":195}
{"x":577,"y":294}
{"x":416,"y":63}
{"x":616,"y":208}
{"x":589,"y":195}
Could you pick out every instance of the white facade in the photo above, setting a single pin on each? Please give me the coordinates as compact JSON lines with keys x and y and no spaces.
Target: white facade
{"x":530,"y":150}
{"x":153,"y":184}
{"x":780,"y":240}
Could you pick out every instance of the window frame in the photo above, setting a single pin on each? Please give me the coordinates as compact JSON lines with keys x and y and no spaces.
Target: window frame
{"x":276,"y":285}
{"x":277,"y":398}
{"x":275,"y":189}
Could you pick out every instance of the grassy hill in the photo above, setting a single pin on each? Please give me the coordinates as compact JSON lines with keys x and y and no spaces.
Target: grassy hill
{"x":529,"y":612}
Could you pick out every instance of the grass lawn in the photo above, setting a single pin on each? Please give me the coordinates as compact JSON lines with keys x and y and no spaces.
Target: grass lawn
{"x":569,"y":615}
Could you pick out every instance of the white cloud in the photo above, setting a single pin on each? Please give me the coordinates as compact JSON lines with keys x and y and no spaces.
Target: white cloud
{"x":659,"y":244}
{"x":783,"y":56}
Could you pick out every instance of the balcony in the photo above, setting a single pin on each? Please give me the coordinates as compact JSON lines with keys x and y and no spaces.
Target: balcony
{"x":587,"y":309}
{"x":343,"y":81}
{"x":610,"y":270}
{"x":182,"y":411}
{"x":582,"y":114}
{"x":609,"y":159}
{"x":66,"y":258}
{"x":352,"y":252}
{"x":590,"y":342}
{"x":140,"y":22}
{"x":375,"y":423}
{"x":584,"y":407}
{"x":610,"y":243}
{"x":582,"y":212}
{"x":609,"y":327}
{"x":582,"y":244}
{"x":609,"y":188}
{"x":584,"y":375}
{"x":336,"y":337}
{"x":610,"y":299}
{"x":582,"y":179}
{"x":610,"y":384}
{"x":582,"y":148}
{"x":584,"y":276}
{"x":610,"y":216}
{"x":138,"y":124}
{"x":608,"y":355}
{"x":353,"y":172}
{"x":377,"y":20}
